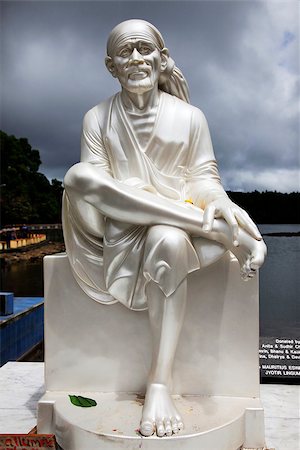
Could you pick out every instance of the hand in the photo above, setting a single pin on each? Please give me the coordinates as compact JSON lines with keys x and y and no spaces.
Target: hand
{"x":234,"y":216}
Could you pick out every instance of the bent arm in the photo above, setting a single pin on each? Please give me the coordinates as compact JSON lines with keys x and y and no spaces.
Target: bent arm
{"x":124,"y":203}
{"x":88,"y":183}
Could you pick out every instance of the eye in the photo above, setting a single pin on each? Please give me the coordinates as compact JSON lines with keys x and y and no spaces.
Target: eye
{"x":124,"y":52}
{"x":145,"y":49}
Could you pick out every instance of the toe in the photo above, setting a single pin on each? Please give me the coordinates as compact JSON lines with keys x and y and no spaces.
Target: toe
{"x":168,"y":427}
{"x":147,"y":428}
{"x":180,"y":425}
{"x":174,"y":425}
{"x":254,"y":266}
{"x":244,"y":275}
{"x":246,"y":270}
{"x":160,"y":429}
{"x":251,"y":272}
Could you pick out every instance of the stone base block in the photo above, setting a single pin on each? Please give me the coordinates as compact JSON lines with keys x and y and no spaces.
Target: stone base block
{"x":103,"y":352}
{"x":211,"y":423}
{"x":107,"y":348}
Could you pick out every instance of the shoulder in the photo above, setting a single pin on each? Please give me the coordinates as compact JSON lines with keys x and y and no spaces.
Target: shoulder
{"x":184,"y":111}
{"x":95,"y":118}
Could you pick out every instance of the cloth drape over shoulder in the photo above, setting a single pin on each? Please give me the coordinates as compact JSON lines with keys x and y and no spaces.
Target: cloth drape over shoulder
{"x":177,"y":163}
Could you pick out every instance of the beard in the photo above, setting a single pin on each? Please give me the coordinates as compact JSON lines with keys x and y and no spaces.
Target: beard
{"x":139,"y":86}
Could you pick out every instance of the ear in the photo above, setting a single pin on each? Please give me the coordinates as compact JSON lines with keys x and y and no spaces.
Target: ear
{"x":164,"y":54}
{"x":110,"y":66}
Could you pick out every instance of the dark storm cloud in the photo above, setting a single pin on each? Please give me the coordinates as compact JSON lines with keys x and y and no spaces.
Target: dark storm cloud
{"x":240,"y":59}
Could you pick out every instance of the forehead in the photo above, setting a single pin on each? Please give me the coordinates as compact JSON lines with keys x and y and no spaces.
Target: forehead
{"x":131,"y":32}
{"x":132,"y":41}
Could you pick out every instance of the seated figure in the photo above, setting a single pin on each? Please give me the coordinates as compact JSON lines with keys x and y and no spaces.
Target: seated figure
{"x":145,"y":206}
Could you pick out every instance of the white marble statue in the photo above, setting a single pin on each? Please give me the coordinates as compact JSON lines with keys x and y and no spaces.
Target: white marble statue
{"x":145,"y":206}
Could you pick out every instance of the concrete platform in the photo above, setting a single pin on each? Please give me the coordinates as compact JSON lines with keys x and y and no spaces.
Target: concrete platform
{"x":22,"y":385}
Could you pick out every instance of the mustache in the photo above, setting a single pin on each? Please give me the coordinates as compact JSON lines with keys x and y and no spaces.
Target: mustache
{"x":138,"y":68}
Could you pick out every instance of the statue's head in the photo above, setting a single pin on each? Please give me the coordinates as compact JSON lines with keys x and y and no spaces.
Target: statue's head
{"x":136,"y":55}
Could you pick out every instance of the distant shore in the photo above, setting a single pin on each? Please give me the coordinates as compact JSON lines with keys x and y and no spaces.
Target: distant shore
{"x":34,"y":254}
{"x":37,"y":253}
{"x":283,"y":233}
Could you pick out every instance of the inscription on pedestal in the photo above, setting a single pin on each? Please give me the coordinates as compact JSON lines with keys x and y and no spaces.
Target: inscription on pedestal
{"x":24,"y":441}
{"x":280,"y":358}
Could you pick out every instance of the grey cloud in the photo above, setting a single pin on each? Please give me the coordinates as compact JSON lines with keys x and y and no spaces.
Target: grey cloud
{"x":240,"y":59}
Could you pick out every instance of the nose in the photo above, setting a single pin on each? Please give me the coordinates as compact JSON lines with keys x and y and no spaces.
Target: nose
{"x":136,"y":57}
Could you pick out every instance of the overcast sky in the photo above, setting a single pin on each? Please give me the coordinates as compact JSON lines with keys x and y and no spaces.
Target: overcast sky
{"x":240,"y":58}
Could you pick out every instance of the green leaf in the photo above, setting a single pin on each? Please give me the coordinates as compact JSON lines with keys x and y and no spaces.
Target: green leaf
{"x":83,"y":402}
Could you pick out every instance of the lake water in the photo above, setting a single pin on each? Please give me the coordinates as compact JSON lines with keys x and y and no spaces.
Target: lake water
{"x":279,"y":282}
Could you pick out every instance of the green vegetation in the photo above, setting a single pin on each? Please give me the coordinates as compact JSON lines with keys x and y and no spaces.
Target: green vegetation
{"x":28,"y":197}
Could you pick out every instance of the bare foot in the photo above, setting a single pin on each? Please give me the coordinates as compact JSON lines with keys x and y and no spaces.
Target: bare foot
{"x":250,"y":254}
{"x":159,"y":413}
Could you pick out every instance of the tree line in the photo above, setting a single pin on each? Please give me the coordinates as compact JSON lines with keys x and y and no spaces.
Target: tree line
{"x":269,"y":207}
{"x":27,"y":196}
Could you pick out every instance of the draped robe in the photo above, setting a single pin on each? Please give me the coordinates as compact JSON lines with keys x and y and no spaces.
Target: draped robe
{"x":108,"y":259}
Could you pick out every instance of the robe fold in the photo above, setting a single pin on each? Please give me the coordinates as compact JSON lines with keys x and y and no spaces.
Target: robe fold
{"x":108,"y":258}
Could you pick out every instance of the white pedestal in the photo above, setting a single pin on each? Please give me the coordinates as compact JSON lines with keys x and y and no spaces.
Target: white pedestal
{"x":103,"y":352}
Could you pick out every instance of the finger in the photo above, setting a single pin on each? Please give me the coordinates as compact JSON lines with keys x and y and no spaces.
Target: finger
{"x":232,"y":222}
{"x":208,"y":218}
{"x":248,"y":224}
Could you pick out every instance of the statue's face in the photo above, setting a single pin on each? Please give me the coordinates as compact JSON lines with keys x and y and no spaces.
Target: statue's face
{"x":137,"y":64}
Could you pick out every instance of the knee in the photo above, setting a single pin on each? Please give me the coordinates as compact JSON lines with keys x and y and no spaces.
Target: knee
{"x":172,"y":240}
{"x":168,"y":257}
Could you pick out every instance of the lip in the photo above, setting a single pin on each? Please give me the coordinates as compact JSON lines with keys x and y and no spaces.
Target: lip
{"x":138,"y":75}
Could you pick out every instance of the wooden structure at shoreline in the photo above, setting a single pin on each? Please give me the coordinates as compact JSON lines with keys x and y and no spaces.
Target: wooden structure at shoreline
{"x":23,"y":242}
{"x":19,"y":236}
